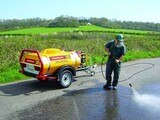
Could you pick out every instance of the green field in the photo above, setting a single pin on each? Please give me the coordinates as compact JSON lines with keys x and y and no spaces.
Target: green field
{"x":90,"y":39}
{"x":42,"y":30}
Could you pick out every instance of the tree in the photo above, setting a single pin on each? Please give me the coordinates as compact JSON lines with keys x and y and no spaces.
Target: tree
{"x":63,"y":21}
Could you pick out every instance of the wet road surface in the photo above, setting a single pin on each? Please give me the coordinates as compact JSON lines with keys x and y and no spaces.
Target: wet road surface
{"x":95,"y":104}
{"x":85,"y":99}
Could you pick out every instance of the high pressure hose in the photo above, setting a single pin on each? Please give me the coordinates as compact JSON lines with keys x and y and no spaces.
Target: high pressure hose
{"x":102,"y":66}
{"x":152,"y":65}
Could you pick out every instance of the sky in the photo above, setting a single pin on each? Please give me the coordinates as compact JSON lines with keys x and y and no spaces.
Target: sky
{"x":123,"y":10}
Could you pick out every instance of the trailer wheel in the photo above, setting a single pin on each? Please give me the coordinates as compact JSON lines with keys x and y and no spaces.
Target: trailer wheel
{"x":65,"y":78}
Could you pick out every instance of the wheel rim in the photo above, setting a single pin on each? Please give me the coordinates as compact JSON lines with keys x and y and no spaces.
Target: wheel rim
{"x":66,"y":79}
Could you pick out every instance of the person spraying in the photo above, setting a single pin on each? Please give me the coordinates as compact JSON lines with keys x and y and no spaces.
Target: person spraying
{"x":116,"y":50}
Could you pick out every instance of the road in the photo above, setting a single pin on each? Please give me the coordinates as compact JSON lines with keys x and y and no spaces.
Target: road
{"x":86,"y":99}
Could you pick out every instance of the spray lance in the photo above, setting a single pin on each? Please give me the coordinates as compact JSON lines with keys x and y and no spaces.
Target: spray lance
{"x":117,"y":61}
{"x":127,"y":78}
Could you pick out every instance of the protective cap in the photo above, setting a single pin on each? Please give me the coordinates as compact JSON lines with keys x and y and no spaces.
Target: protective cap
{"x":120,"y":38}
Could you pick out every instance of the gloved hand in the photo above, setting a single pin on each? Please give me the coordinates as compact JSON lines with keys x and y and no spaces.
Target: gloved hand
{"x":117,"y":61}
{"x":109,"y":54}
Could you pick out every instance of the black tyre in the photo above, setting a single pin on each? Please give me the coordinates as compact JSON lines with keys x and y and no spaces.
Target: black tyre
{"x":65,"y":78}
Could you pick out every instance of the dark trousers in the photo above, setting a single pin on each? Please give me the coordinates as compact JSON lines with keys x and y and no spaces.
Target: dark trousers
{"x":112,"y":66}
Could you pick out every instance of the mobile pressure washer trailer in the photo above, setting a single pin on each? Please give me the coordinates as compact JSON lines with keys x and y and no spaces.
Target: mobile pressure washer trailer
{"x":54,"y":64}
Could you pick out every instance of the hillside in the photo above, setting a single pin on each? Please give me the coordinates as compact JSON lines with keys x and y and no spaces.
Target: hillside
{"x":89,"y":28}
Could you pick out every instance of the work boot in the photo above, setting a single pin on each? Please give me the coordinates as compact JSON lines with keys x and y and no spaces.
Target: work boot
{"x":107,"y":87}
{"x":114,"y":87}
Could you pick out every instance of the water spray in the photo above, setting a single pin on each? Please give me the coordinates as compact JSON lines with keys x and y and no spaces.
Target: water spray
{"x":147,"y":100}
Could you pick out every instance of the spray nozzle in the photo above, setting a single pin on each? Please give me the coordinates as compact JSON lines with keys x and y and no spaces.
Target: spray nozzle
{"x":130,"y":84}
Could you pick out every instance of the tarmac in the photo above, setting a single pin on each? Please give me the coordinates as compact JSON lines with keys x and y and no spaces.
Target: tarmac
{"x":86,"y":99}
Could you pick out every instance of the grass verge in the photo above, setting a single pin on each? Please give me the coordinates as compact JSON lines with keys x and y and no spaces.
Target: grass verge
{"x":138,"y":47}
